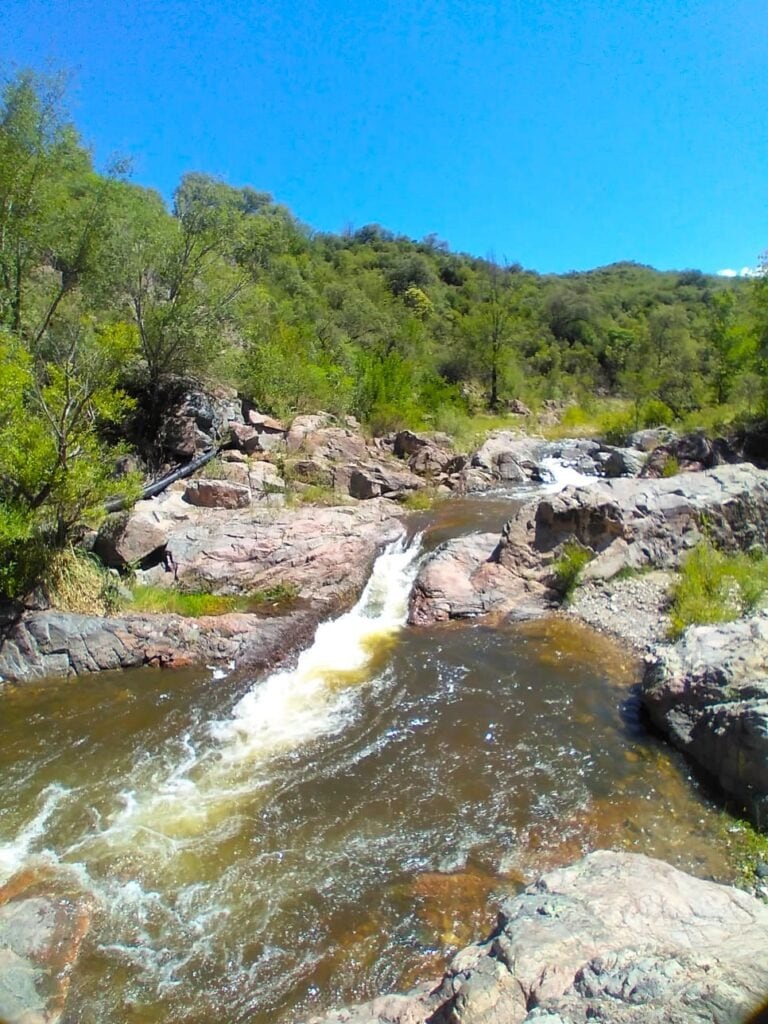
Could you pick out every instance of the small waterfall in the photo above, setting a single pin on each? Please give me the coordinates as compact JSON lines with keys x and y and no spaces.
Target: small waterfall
{"x":559,"y":473}
{"x":296,"y":705}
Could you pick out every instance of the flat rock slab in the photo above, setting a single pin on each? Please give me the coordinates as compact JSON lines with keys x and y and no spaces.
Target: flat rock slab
{"x":709,"y":694}
{"x":44,"y":644}
{"x":616,"y":938}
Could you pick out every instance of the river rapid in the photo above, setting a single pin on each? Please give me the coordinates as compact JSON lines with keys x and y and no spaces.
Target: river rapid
{"x":260,"y":849}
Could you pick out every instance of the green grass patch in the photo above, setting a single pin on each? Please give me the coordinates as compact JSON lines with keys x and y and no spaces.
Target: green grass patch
{"x":569,"y":565}
{"x":421,"y":500}
{"x":161,"y":600}
{"x":717,"y":587}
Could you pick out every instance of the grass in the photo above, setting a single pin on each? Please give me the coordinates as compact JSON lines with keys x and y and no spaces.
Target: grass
{"x":717,"y":587}
{"x":161,"y":600}
{"x":421,"y":500}
{"x":75,"y":581}
{"x":569,"y":565}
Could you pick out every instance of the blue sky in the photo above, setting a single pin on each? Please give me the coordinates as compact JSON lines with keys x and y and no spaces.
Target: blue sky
{"x":563,"y":135}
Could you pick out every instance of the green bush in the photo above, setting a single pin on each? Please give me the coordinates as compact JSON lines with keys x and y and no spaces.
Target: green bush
{"x":569,"y":565}
{"x":717,"y":587}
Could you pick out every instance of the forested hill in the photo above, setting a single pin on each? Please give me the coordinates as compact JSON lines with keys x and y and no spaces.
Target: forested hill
{"x":105,"y":294}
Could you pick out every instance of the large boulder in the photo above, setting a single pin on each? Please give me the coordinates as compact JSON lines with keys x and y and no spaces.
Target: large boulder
{"x":618,"y":938}
{"x":463,"y":579}
{"x":709,"y":694}
{"x":505,"y":448}
{"x":207,"y":493}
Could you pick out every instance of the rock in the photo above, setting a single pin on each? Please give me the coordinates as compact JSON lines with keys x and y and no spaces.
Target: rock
{"x":264,"y":478}
{"x":373,"y":480}
{"x":45,"y":644}
{"x":709,"y":694}
{"x":617,"y":937}
{"x":303,"y":427}
{"x":647,"y":440}
{"x":659,"y":519}
{"x":518,"y":408}
{"x":42,"y":925}
{"x":196,"y":419}
{"x":504,"y":447}
{"x":217,"y":494}
{"x":462,"y":579}
{"x":325,"y":552}
{"x":245,"y":438}
{"x":620,"y":461}
{"x":634,"y":610}
{"x":232,"y":455}
{"x":627,"y":523}
{"x":131,"y":538}
{"x":431,"y":461}
{"x":264,"y":424}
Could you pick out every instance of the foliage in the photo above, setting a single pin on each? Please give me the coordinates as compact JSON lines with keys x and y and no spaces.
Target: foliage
{"x":569,"y":565}
{"x":717,"y":587}
{"x":74,"y":581}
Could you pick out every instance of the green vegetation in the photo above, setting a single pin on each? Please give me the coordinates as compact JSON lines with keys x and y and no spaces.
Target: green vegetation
{"x":108,"y":299}
{"x":717,"y":587}
{"x":420,"y":501}
{"x":77,"y":582}
{"x":195,"y":604}
{"x":747,"y":846}
{"x":569,"y":565}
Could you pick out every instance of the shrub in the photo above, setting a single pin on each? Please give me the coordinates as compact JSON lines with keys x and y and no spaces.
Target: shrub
{"x":75,"y":581}
{"x":717,"y":587}
{"x":569,"y":565}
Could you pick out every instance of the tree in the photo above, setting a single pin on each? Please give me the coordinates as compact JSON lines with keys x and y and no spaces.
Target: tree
{"x":494,"y":327}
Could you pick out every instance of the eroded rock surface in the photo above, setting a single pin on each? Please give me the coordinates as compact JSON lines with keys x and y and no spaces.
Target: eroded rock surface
{"x":709,"y":694}
{"x":616,"y":938}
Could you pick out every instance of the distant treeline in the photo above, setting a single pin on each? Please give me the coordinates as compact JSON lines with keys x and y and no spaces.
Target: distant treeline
{"x":105,"y":294}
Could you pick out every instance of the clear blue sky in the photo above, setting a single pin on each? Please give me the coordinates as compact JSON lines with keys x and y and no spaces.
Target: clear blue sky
{"x":563,"y":134}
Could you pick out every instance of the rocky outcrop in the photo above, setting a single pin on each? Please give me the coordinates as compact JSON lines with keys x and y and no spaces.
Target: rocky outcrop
{"x":626,"y":523}
{"x":324,"y":553}
{"x":50,"y":643}
{"x":618,"y":938}
{"x":709,"y":694}
{"x":43,"y":922}
{"x":195,"y":419}
{"x":656,"y":521}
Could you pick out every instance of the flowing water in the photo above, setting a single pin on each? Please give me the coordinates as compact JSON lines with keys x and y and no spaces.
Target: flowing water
{"x":258,"y":850}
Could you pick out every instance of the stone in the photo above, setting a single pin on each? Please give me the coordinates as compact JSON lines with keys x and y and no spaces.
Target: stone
{"x":245,"y":438}
{"x":647,"y":440}
{"x":303,"y":427}
{"x":131,"y":538}
{"x":506,"y":447}
{"x":709,"y":694}
{"x":196,"y":419}
{"x":617,"y":937}
{"x":463,"y":579}
{"x":430,"y":461}
{"x":621,"y":461}
{"x":519,"y":408}
{"x":42,"y":925}
{"x":217,"y":494}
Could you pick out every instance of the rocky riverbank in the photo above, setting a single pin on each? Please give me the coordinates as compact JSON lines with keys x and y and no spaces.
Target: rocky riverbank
{"x":616,"y":938}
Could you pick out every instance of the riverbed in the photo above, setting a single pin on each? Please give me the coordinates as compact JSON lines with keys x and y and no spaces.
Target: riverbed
{"x":259,"y":849}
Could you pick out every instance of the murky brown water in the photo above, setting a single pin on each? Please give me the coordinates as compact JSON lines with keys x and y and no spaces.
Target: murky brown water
{"x":341,"y":829}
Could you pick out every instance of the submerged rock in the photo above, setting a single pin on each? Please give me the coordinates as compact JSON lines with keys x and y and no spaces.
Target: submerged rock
{"x":42,"y":926}
{"x":617,"y":938}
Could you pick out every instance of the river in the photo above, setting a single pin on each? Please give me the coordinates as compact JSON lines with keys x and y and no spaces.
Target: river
{"x":258,"y":850}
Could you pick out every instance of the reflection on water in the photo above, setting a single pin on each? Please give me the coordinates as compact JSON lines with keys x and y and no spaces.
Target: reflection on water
{"x":333,"y":831}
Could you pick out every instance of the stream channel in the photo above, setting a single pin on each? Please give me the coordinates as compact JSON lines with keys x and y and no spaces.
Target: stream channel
{"x":258,"y":850}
